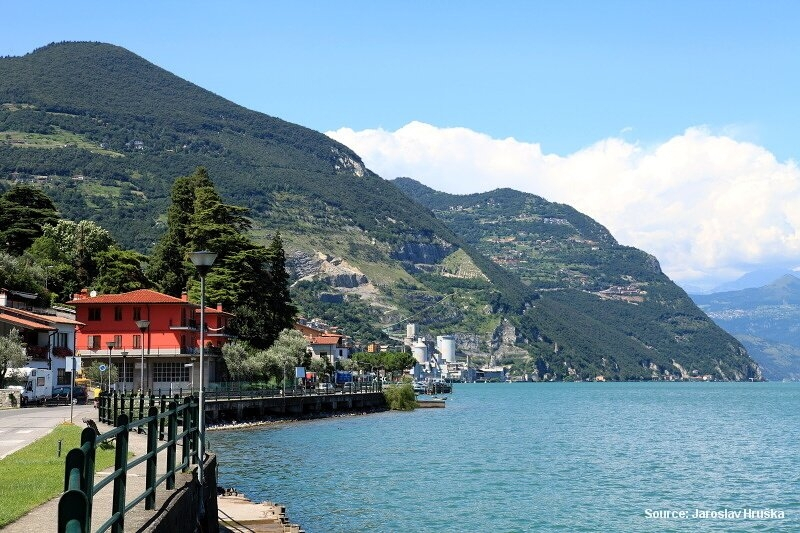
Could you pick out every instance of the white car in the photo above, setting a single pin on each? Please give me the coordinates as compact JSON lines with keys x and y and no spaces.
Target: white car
{"x":324,"y":388}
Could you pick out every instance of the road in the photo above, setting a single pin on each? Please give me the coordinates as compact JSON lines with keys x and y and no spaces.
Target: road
{"x":20,"y":427}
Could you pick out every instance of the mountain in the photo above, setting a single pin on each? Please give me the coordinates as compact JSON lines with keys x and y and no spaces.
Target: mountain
{"x":599,"y":300}
{"x":754,"y":279}
{"x":105,"y":133}
{"x":766,"y":320}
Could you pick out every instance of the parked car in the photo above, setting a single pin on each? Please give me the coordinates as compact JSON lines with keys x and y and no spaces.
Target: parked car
{"x":324,"y":388}
{"x":349,"y":387}
{"x":61,"y":394}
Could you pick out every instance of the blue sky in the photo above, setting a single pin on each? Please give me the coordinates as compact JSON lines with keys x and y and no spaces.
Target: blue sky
{"x":539,"y":94}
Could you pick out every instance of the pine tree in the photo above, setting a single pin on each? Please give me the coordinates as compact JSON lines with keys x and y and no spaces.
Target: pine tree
{"x":24,"y":210}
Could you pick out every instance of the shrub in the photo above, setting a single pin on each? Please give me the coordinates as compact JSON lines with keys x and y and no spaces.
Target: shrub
{"x":400,"y":397}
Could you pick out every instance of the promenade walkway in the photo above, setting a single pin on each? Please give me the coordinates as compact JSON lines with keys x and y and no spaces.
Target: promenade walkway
{"x":19,"y":427}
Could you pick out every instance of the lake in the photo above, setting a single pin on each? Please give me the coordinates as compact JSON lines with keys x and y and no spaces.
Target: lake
{"x":537,"y":457}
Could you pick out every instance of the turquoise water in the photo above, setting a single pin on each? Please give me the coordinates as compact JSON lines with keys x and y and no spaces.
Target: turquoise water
{"x":538,"y":457}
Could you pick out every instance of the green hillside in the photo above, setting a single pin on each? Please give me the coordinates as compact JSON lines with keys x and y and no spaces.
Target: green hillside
{"x":766,"y":320}
{"x":605,"y":309}
{"x":105,"y":133}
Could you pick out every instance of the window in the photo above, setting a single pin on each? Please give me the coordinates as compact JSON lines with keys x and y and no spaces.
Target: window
{"x":170,"y":372}
{"x":93,"y":342}
{"x":117,"y":313}
{"x":137,"y":313}
{"x":61,"y":377}
{"x":94,"y":313}
{"x":60,"y":339}
{"x":117,"y":341}
{"x":137,"y":341}
{"x":126,"y":372}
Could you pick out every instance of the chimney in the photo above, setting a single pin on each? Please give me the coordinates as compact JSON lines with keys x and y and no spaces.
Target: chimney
{"x":184,"y":296}
{"x":219,"y":307}
{"x":81,"y":295}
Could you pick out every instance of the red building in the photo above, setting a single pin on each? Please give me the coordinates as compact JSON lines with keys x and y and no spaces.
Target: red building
{"x":165,"y":354}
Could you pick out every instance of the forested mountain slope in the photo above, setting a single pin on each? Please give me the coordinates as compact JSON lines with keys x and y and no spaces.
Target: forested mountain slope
{"x":105,"y":133}
{"x":599,"y":299}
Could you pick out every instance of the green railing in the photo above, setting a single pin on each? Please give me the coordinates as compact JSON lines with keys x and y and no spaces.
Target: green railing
{"x":75,"y":505}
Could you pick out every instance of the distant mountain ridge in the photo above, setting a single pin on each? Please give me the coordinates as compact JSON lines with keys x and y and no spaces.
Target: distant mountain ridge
{"x":105,"y":133}
{"x":597,"y":297}
{"x":766,"y":320}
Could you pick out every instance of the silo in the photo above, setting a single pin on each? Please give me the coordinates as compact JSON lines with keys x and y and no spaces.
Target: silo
{"x":420,"y":352}
{"x":447,"y":347}
{"x":411,"y":334}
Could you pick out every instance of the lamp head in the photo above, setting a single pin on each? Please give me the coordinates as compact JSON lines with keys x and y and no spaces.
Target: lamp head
{"x":203,"y":260}
{"x":142,"y":324}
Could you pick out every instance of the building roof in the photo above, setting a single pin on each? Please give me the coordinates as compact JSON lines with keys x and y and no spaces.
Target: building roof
{"x":214,"y":311}
{"x":140,"y":296}
{"x":24,"y":323}
{"x":325,"y":339}
{"x":29,"y":315}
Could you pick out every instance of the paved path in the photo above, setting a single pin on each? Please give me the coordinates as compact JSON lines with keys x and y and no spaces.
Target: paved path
{"x":20,"y":427}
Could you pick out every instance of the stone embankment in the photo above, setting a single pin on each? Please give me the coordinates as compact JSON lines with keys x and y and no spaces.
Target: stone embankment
{"x":238,"y":514}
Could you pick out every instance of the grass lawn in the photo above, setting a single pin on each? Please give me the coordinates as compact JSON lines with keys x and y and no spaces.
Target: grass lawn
{"x":35,"y":474}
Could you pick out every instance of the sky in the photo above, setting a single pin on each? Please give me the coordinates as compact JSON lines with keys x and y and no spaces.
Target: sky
{"x":673,"y":124}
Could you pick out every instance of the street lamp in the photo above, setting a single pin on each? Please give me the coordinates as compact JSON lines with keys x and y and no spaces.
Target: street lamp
{"x":142,"y":325}
{"x":124,"y":374}
{"x":190,"y":365}
{"x":110,"y":345}
{"x":203,"y":261}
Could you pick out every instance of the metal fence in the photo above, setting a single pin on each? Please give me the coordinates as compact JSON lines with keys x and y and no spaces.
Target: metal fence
{"x":75,"y":505}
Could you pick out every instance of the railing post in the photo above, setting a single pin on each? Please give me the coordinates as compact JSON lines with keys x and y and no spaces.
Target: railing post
{"x":172,"y":434}
{"x":101,"y":408}
{"x":131,"y":396}
{"x":116,"y":407}
{"x":120,"y":483}
{"x":141,"y":412}
{"x":162,"y":407}
{"x":187,"y":437}
{"x":152,"y":461}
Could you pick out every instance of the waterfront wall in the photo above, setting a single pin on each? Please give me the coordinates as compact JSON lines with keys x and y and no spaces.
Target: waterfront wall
{"x":221,"y":409}
{"x":178,"y":511}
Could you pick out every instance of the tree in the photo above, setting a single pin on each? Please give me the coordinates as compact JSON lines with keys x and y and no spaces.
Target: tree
{"x":279,"y":305}
{"x":239,"y":360}
{"x":24,"y":210}
{"x":12,"y":354}
{"x":247,"y":278}
{"x":120,"y":271}
{"x":71,"y":250}
{"x":99,"y":377}
{"x":288,"y":351}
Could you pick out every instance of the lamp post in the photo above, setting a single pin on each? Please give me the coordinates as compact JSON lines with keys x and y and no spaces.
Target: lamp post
{"x":190,"y":365}
{"x":110,"y":345}
{"x":142,"y":325}
{"x":124,"y":373}
{"x":203,"y":261}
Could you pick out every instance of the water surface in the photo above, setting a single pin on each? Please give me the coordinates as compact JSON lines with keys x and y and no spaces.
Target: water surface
{"x":538,"y":457}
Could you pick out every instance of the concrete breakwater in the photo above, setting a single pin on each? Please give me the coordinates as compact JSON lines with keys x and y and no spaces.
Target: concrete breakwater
{"x":222,"y":408}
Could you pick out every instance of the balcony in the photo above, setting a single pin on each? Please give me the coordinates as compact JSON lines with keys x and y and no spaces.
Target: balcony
{"x":37,"y":353}
{"x":185,"y":325}
{"x":61,"y":351}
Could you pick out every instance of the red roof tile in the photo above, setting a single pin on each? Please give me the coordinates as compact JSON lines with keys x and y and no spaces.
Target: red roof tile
{"x":26,"y":324}
{"x":326,"y":339}
{"x":21,"y":313}
{"x":140,"y":296}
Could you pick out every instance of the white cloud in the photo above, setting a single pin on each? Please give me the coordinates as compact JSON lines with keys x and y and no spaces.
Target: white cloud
{"x":707,"y":206}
